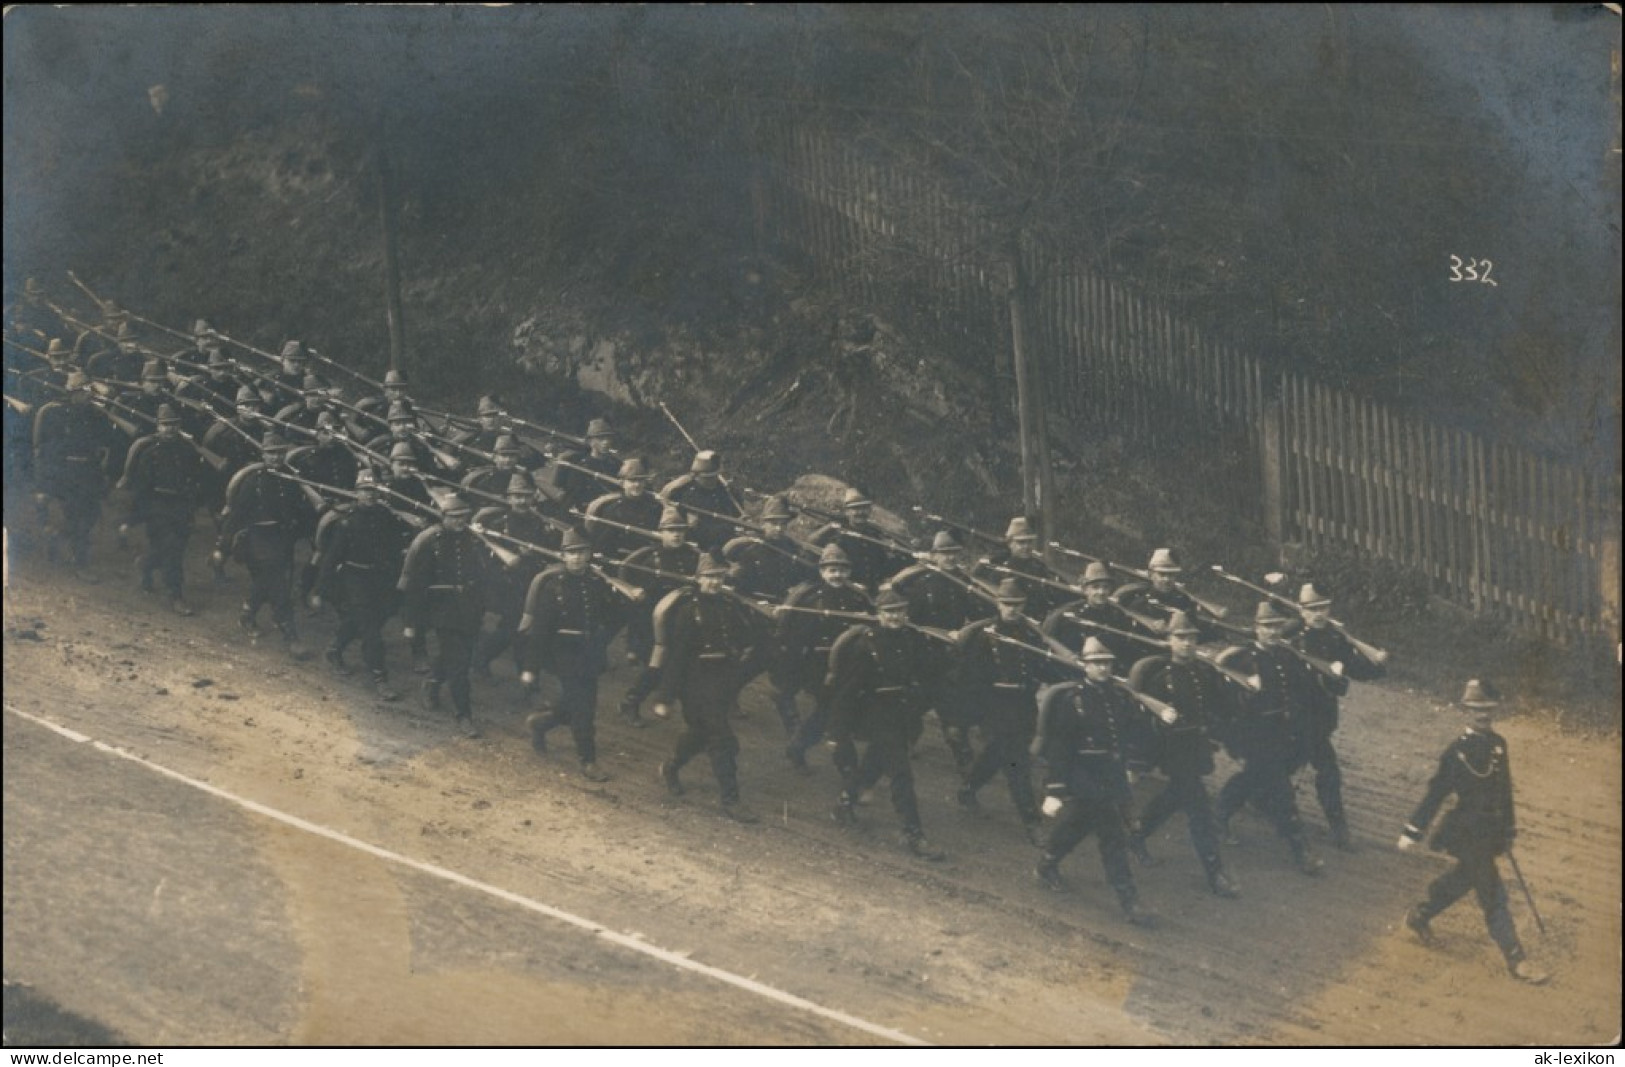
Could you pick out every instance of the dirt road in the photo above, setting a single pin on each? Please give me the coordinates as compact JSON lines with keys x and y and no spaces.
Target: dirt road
{"x":172,"y":915}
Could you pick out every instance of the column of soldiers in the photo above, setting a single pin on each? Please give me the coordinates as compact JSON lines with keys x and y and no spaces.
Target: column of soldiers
{"x":560,"y":539}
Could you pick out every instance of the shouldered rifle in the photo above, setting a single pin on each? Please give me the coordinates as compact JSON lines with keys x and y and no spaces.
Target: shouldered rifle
{"x":1369,"y":651}
{"x":626,"y":589}
{"x":931,"y":516}
{"x":1217,"y":611}
{"x":695,"y":445}
{"x":860,"y":616}
{"x":1023,"y":576}
{"x":607,"y":479}
{"x":1205,"y":655}
{"x":18,"y":406}
{"x":1059,"y":653}
{"x":890,"y":542}
{"x":803,"y":553}
{"x":1073,"y":553}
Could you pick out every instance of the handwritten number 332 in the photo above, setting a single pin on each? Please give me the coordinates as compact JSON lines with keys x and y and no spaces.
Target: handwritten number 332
{"x":1473,"y":270}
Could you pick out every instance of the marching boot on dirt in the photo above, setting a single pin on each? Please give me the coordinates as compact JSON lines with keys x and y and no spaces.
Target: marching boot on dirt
{"x":571,"y":615}
{"x":360,"y":565}
{"x":877,"y":683}
{"x":1328,"y":644}
{"x":443,"y":583}
{"x":806,"y":635}
{"x":704,"y":642}
{"x":1000,"y":680}
{"x":864,"y":543}
{"x":1080,"y":726}
{"x":939,"y":597}
{"x":1267,"y":736}
{"x":1071,"y":622}
{"x":657,"y":570}
{"x":633,"y":506}
{"x":521,"y":521}
{"x":165,"y":476}
{"x":74,"y":443}
{"x":266,"y":514}
{"x":704,"y":489}
{"x":1022,"y":560}
{"x":1206,"y":701}
{"x":1475,"y":770}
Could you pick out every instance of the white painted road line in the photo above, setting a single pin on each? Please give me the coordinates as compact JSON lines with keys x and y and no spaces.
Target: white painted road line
{"x":629,"y":941}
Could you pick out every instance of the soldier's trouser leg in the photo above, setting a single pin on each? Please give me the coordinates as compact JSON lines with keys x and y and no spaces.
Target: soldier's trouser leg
{"x":647,"y":679}
{"x":895,"y":762}
{"x":1113,"y":842}
{"x":1070,"y":826}
{"x":1448,"y":888}
{"x":578,"y":709}
{"x":348,"y":629}
{"x":1328,"y":781}
{"x":452,"y":660}
{"x":81,"y":510}
{"x":167,"y":536}
{"x":1237,"y":791}
{"x":1492,"y":899}
{"x":1274,"y":797}
{"x":811,"y":730}
{"x":493,"y":644}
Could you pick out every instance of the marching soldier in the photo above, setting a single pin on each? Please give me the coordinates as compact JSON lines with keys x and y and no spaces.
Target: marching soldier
{"x":877,"y":683}
{"x":74,"y":443}
{"x":575,"y":476}
{"x":494,"y":479}
{"x":196,"y":356}
{"x":376,"y":408}
{"x":1206,"y":702}
{"x":442,"y":584}
{"x":1475,"y":770}
{"x":404,"y":429}
{"x":657,"y":570}
{"x":265,"y":515}
{"x":491,"y":429}
{"x":873,"y":552}
{"x":287,"y":385}
{"x":524,"y":522}
{"x":768,"y":564}
{"x":1080,"y":727}
{"x":1328,"y":644}
{"x":571,"y":615}
{"x":1268,"y":733}
{"x":304,"y":412}
{"x":360,"y":564}
{"x":806,"y":635}
{"x":1020,"y":559}
{"x":165,"y":478}
{"x":327,"y":460}
{"x":705,"y":640}
{"x":704,"y":489}
{"x":1071,"y":622}
{"x":1002,"y":666}
{"x":403,"y":481}
{"x":1153,"y":602}
{"x":633,"y":506}
{"x":118,"y":361}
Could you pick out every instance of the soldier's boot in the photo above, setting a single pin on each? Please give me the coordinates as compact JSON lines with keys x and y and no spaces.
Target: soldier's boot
{"x":1418,"y":919}
{"x":1341,"y":840}
{"x":916,"y":844}
{"x":786,"y":707}
{"x":429,"y":695}
{"x":845,"y":812}
{"x":1222,"y":885}
{"x":1129,"y":899}
{"x":1136,"y":845}
{"x":1048,"y":873}
{"x":1032,"y":825}
{"x":467,"y":726}
{"x":629,"y":711}
{"x":670,"y":778}
{"x":1308,"y":863}
{"x":966,"y":799}
{"x":539,"y":723}
{"x":380,"y":686}
{"x":1527,"y":972}
{"x":591,"y":773}
{"x":248,"y":624}
{"x":291,"y":644}
{"x":335,"y":659}
{"x":733,"y":808}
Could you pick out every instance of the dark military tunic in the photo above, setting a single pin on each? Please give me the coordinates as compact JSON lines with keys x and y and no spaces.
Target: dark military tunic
{"x":804,"y":643}
{"x":705,"y":643}
{"x":710,"y":534}
{"x":166,"y":478}
{"x":443,"y":583}
{"x":568,"y":624}
{"x":877,"y":682}
{"x":360,"y":565}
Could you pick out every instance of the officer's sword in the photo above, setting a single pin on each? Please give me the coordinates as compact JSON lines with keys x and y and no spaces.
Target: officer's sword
{"x":1527,"y":895}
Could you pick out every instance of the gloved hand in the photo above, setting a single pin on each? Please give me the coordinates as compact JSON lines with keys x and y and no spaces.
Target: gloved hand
{"x":1051,"y":806}
{"x":409,"y":632}
{"x":1337,"y":668}
{"x":218,"y":557}
{"x":1406,"y":842}
{"x":316,"y":601}
{"x":527,"y":677}
{"x":661,"y":711}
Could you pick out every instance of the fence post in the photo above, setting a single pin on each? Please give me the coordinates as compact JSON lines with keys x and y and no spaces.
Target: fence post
{"x":1274,"y":468}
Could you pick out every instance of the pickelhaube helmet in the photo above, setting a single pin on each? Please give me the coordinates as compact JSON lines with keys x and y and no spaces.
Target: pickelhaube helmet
{"x":293,"y":350}
{"x":153,"y":371}
{"x":672,"y":519}
{"x":707,"y":462}
{"x":1096,"y":572}
{"x":776,"y":509}
{"x":575,"y":541}
{"x":1162,"y":560}
{"x":1269,"y":615}
{"x":168,"y":414}
{"x":1010,"y":592}
{"x":834,"y":556}
{"x":1310,"y":597}
{"x":855,"y":498}
{"x":1019,"y":530}
{"x":633,"y":469}
{"x":403,"y":450}
{"x":890,"y":600}
{"x":944,"y":541}
{"x":599,"y":428}
{"x":1180,"y":623}
{"x":710,"y":567}
{"x":1095,"y":650}
{"x":1480,"y":694}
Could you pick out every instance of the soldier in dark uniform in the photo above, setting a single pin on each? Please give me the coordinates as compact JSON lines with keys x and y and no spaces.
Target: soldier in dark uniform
{"x":305,"y":411}
{"x":1320,"y":639}
{"x":705,"y":640}
{"x":442,"y":584}
{"x":1206,"y":702}
{"x":1080,"y":727}
{"x":118,"y":360}
{"x":877,"y":684}
{"x":1021,"y":559}
{"x":873,"y":552}
{"x":376,"y":407}
{"x":576,"y":470}
{"x":360,"y":564}
{"x":328,"y":459}
{"x":165,"y":478}
{"x":1482,"y":825}
{"x":1151,"y":603}
{"x":1001,"y":680}
{"x":657,"y":570}
{"x":634,"y":506}
{"x":766,"y":566}
{"x":704,"y":489}
{"x":403,"y":483}
{"x":404,"y":429}
{"x":1068,"y":623}
{"x":207,"y":394}
{"x":492,"y":427}
{"x":265,"y":516}
{"x":494,"y":478}
{"x":74,"y":444}
{"x":521,"y":520}
{"x":196,"y":355}
{"x":287,"y":385}
{"x":805,"y":640}
{"x":571,"y":615}
{"x":1267,"y":735}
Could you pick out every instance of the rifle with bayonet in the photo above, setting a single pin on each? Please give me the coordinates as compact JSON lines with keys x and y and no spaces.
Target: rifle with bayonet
{"x":1059,"y":653}
{"x":1217,"y":611}
{"x":1369,"y":651}
{"x":695,"y":445}
{"x":1206,"y":655}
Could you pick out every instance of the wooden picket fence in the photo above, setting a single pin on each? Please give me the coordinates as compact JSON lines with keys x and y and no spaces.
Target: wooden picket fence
{"x":1496,"y":528}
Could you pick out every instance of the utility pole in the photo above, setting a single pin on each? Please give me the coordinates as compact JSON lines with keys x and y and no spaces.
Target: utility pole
{"x":392,"y":265}
{"x":1037,"y":478}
